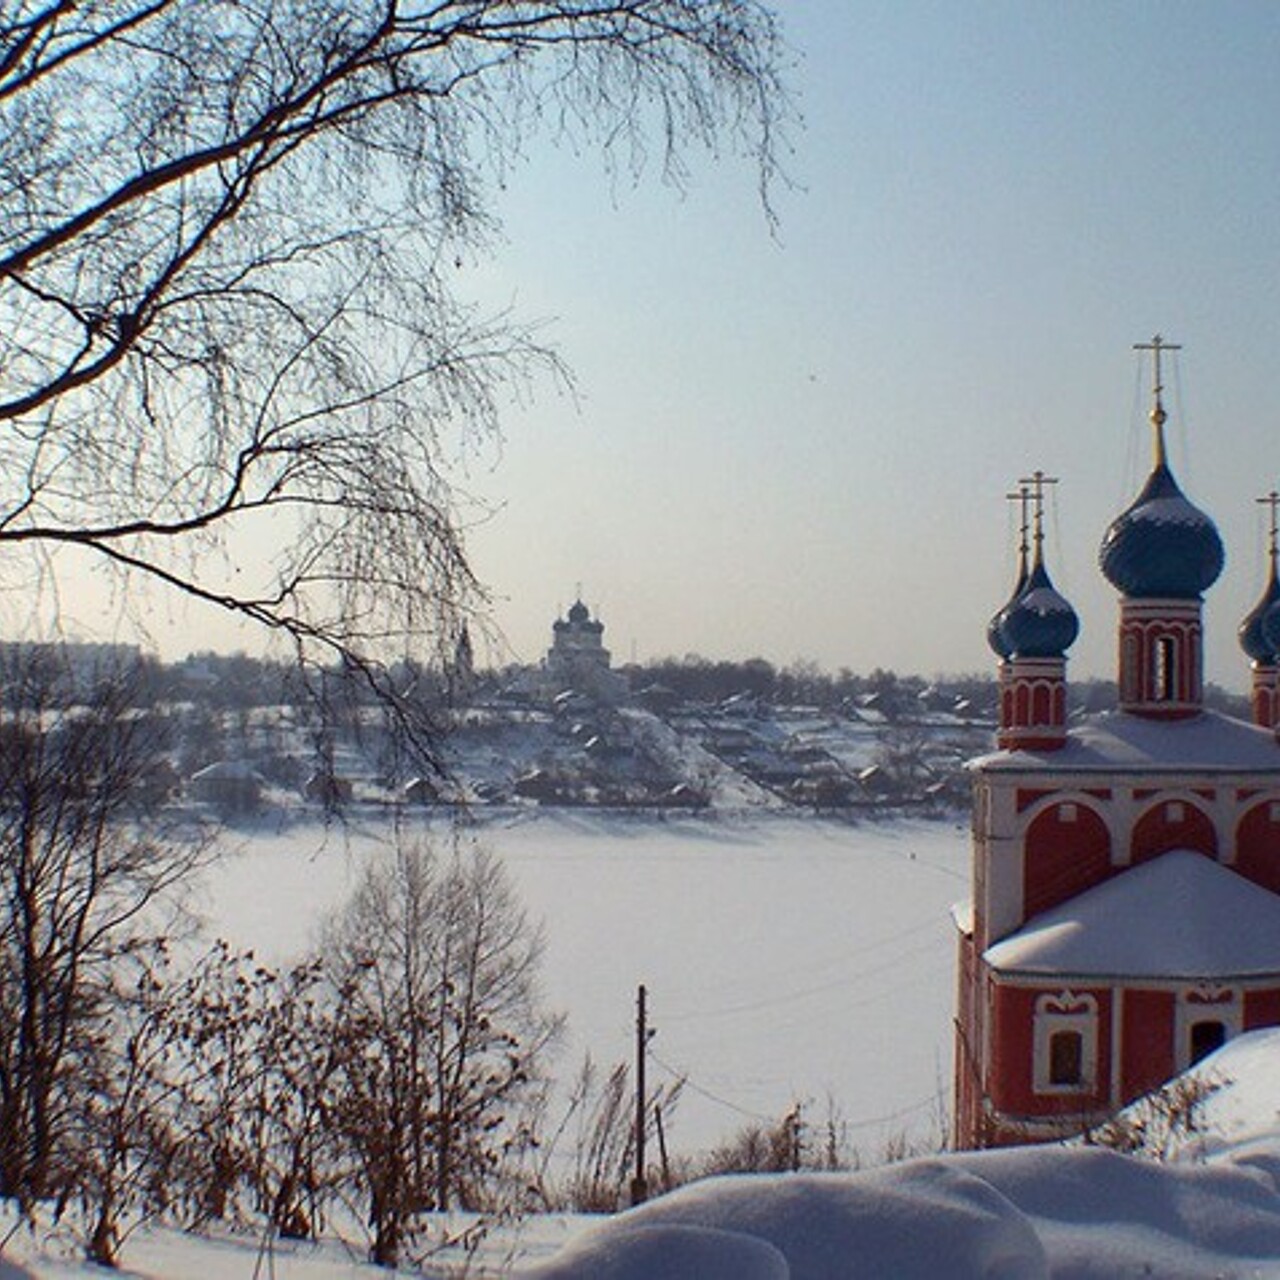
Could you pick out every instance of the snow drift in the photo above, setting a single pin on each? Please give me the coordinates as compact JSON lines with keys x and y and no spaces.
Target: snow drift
{"x":1072,"y":1213}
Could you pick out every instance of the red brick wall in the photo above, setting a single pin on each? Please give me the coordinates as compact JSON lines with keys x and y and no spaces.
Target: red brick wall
{"x":1063,"y":859}
{"x":1155,"y":833}
{"x":1146,"y":1058}
{"x":1258,"y":847}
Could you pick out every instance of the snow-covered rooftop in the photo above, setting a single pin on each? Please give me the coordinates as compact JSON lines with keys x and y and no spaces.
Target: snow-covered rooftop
{"x":1180,"y":916}
{"x":1208,"y":742}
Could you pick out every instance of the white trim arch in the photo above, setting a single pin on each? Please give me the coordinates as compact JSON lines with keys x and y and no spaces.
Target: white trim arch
{"x":1212,"y":811}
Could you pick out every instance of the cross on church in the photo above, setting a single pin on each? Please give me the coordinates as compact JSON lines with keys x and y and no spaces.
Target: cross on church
{"x":1158,"y":415}
{"x":1156,"y":346}
{"x":1272,"y":500}
{"x":1023,"y":499}
{"x":1034,"y":484}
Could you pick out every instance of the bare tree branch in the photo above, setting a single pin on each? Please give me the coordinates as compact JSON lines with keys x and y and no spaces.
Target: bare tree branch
{"x":228,"y":231}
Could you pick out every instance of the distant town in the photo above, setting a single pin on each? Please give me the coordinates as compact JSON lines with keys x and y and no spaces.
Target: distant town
{"x":680,"y":734}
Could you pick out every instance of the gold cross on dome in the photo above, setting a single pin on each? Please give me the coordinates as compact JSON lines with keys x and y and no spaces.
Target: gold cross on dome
{"x":1271,"y":500}
{"x":1156,"y":346}
{"x":1023,"y":499}
{"x":1035,"y":484}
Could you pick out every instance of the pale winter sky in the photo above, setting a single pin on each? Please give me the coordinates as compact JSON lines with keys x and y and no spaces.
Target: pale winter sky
{"x":797,"y":446}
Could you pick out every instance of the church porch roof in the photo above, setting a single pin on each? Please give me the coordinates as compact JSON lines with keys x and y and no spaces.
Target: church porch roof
{"x":1119,"y":741}
{"x":1180,"y":917}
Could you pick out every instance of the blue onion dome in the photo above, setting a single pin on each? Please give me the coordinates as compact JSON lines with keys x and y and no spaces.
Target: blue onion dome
{"x":1255,"y":631}
{"x":578,"y":612}
{"x":1161,"y":545}
{"x":1271,"y":632}
{"x":1040,"y":623}
{"x":995,"y":628}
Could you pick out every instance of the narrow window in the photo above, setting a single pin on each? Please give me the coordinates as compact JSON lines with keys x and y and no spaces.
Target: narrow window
{"x":1130,"y":669}
{"x":1165,"y":681}
{"x":1205,"y":1038}
{"x":1174,"y":812}
{"x":1066,"y":1058}
{"x":1066,"y":813}
{"x":1274,"y":813}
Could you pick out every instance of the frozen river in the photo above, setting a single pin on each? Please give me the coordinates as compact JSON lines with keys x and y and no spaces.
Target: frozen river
{"x":786,"y":961}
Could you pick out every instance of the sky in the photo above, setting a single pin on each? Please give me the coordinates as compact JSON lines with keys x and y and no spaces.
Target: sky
{"x":795,"y":443}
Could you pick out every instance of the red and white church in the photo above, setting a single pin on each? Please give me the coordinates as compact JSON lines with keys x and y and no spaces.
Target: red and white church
{"x":1125,"y":911}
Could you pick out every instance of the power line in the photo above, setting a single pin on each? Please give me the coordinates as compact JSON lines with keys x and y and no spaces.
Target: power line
{"x":689,"y":1083}
{"x":841,"y":959}
{"x":711,"y":1096}
{"x":835,"y":984}
{"x":894,"y":1115}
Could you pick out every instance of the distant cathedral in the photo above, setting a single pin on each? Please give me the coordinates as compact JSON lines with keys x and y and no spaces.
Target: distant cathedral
{"x":1125,"y":911}
{"x":578,"y":660}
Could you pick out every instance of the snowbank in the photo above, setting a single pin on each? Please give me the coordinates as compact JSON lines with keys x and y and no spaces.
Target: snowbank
{"x":1073,"y":1213}
{"x":1086,"y":1214}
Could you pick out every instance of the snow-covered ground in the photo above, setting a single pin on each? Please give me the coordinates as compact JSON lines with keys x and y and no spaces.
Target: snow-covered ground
{"x":1071,"y":1213}
{"x":786,"y":960}
{"x":1066,"y":1213}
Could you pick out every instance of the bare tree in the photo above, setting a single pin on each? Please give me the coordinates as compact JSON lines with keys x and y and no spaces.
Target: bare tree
{"x":435,"y":965}
{"x":124,"y":1133}
{"x":258,"y":1051}
{"x":83,"y":873}
{"x":230,"y":233}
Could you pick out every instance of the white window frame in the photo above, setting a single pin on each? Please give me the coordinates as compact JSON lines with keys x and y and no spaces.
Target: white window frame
{"x":1065,"y":1011}
{"x":1212,"y":1004}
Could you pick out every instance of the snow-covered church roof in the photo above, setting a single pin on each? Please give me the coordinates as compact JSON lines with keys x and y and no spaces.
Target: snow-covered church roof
{"x":1116,"y":740}
{"x":1180,"y":916}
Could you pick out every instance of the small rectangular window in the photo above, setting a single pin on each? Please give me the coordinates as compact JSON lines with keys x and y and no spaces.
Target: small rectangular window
{"x":1066,"y":813}
{"x":1174,"y":811}
{"x":1066,"y":1058}
{"x":1206,"y":1037}
{"x":1274,"y":812}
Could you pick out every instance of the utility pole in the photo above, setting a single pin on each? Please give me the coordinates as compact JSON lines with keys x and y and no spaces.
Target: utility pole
{"x":639,"y":1186}
{"x":662,"y":1149}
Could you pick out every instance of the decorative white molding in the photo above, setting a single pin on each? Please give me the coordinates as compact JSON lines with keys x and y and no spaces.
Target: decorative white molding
{"x":1205,"y":1002}
{"x":1072,"y":1013}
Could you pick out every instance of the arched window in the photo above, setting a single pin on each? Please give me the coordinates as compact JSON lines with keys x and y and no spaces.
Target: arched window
{"x":1130,"y":672}
{"x":1165,"y":683}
